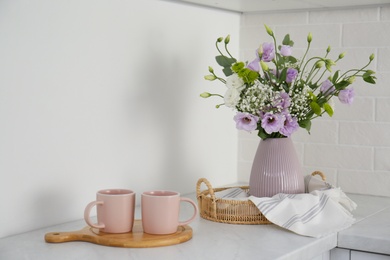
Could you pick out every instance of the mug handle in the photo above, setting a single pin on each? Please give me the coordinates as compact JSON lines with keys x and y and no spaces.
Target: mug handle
{"x":87,"y":212}
{"x":195,"y":211}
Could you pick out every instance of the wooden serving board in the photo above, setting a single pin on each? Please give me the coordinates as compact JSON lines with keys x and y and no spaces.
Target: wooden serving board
{"x":136,"y":238}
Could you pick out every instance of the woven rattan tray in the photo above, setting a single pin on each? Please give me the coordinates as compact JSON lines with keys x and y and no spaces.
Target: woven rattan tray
{"x":227,"y":211}
{"x":230,"y":211}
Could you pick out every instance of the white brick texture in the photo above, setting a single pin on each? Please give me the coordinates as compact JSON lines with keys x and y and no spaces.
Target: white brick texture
{"x":353,"y":147}
{"x":344,"y":16}
{"x":366,"y":34}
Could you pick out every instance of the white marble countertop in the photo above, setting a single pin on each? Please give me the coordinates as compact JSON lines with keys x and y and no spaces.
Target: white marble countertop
{"x":213,"y":240}
{"x":371,"y":231}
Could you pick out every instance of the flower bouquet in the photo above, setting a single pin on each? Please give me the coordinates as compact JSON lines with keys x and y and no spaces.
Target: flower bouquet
{"x":277,"y":93}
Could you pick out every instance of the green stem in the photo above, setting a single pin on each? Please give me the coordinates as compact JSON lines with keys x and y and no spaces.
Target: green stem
{"x":216,"y":46}
{"x":314,"y":75}
{"x":220,"y":79}
{"x":304,"y":56}
{"x":320,"y":77}
{"x":307,"y":62}
{"x":228,"y":51}
{"x":276,"y":56}
{"x":357,"y":70}
{"x":216,"y":95}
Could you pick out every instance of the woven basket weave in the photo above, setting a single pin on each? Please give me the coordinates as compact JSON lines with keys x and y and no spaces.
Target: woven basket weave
{"x":227,"y":211}
{"x":230,"y":211}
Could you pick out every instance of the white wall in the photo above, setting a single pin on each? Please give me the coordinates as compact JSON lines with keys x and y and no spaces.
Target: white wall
{"x":98,"y":94}
{"x":353,"y":147}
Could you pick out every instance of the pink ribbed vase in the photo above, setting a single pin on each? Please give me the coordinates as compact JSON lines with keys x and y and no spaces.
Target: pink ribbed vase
{"x":276,"y":169}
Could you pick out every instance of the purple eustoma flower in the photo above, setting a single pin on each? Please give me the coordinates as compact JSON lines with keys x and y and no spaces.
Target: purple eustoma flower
{"x":272,"y":123}
{"x":246,"y":121}
{"x":346,"y":96}
{"x":268,"y":52}
{"x":327,"y":88}
{"x":286,"y":50}
{"x":290,"y":126}
{"x":254,"y":65}
{"x":291,"y":75}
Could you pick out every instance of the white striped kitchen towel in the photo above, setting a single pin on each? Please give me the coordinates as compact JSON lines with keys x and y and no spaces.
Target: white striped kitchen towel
{"x":314,"y":214}
{"x":323,"y":210}
{"x":232,"y":194}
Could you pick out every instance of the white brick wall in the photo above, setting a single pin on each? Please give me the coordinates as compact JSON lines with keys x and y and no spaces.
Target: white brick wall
{"x":353,"y":147}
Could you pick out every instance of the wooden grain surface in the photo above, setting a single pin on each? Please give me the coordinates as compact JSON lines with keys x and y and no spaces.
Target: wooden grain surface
{"x":136,"y":239}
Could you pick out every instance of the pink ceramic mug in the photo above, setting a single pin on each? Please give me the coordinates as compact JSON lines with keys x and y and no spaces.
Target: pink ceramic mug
{"x":115,"y":211}
{"x":160,"y":212}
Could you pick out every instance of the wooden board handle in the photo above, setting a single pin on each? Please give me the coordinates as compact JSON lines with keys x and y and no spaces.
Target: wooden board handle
{"x":59,"y":237}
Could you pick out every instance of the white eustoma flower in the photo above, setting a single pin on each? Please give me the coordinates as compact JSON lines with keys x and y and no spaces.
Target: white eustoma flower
{"x":234,"y":81}
{"x":231,"y":98}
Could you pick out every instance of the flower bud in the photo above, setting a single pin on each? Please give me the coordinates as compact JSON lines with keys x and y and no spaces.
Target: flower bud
{"x":269,"y":31}
{"x":260,"y":50}
{"x":309,"y":37}
{"x":320,"y":64}
{"x":210,"y":77}
{"x":211,"y":70}
{"x":227,"y":39}
{"x":351,"y":79}
{"x":220,"y":39}
{"x":264,"y":66}
{"x":328,"y":49}
{"x":372,"y":56}
{"x":341,"y":55}
{"x":205,"y":95}
{"x":328,"y":64}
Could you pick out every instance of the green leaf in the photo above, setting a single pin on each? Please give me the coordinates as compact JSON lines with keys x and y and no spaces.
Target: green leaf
{"x":262,"y":134}
{"x":328,"y":109}
{"x":280,"y":59}
{"x":311,"y":85}
{"x":305,"y":124}
{"x":225,"y":61}
{"x":291,"y":59}
{"x":321,"y":101}
{"x":316,"y":108}
{"x":335,"y":77}
{"x":287,"y":41}
{"x":369,"y":80}
{"x":342,"y":85}
{"x":283,"y":75}
{"x":227,"y":71}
